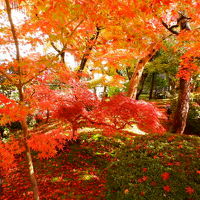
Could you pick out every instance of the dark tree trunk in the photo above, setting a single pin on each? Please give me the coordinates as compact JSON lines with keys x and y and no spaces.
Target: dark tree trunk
{"x":171,"y":85}
{"x":104,"y":94}
{"x":152,"y":85}
{"x":62,"y":55}
{"x":1,"y":132}
{"x":180,"y":116}
{"x":95,"y":90}
{"x":1,"y":184}
{"x":144,"y":76}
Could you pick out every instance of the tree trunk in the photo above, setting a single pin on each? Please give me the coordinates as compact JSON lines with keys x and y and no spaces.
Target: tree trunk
{"x":1,"y":184}
{"x":171,"y":84}
{"x":27,"y":150}
{"x":104,"y":94}
{"x":152,"y":86}
{"x":180,"y":116}
{"x":144,"y":76}
{"x":29,"y":160}
{"x":21,"y":97}
{"x":139,"y":68}
{"x":95,"y":90}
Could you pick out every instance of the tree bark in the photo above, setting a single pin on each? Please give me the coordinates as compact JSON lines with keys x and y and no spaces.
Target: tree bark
{"x":27,"y":150}
{"x":181,"y":113}
{"x":104,"y":94}
{"x":139,"y":68}
{"x":152,"y":86}
{"x":180,"y":116}
{"x":144,"y":76}
{"x":29,"y":160}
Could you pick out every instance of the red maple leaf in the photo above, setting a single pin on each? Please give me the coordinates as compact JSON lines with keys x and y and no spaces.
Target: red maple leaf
{"x":189,"y":190}
{"x":167,"y":188}
{"x":165,"y":176}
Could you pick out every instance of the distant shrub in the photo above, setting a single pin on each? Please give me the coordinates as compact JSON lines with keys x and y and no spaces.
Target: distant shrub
{"x":156,"y":167}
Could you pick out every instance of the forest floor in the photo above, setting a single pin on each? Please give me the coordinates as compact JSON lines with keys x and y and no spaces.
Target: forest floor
{"x":76,"y":173}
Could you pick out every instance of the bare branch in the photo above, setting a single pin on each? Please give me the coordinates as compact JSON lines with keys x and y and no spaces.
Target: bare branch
{"x":75,"y":28}
{"x":53,"y":45}
{"x":28,"y":81}
{"x":170,"y":28}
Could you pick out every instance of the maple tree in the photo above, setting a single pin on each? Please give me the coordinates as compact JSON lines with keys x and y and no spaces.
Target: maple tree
{"x":94,"y":32}
{"x":83,"y":109}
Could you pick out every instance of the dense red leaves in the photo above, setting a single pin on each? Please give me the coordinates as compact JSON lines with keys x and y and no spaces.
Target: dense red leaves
{"x":5,"y":100}
{"x":7,"y":153}
{"x":111,"y":114}
{"x":63,"y":177}
{"x":48,"y":144}
{"x":187,"y":68}
{"x":10,"y":111}
{"x":73,"y":105}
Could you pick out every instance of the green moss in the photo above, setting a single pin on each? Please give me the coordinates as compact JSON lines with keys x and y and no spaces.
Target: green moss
{"x":139,"y":168}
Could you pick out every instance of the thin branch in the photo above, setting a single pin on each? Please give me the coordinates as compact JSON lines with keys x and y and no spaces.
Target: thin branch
{"x":53,"y":45}
{"x":75,"y":28}
{"x":170,"y":28}
{"x":28,"y":81}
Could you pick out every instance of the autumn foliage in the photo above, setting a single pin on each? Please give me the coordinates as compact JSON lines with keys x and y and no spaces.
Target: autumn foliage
{"x":78,"y":107}
{"x":105,"y":38}
{"x":82,"y":108}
